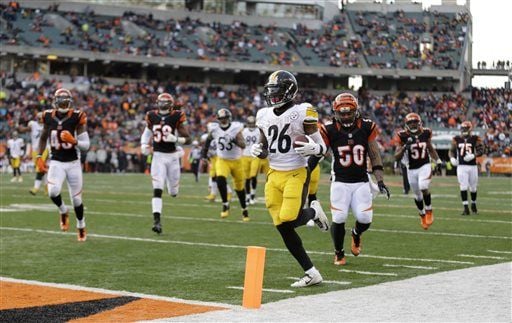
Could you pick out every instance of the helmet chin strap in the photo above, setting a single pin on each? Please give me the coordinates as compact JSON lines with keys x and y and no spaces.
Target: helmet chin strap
{"x":165,"y":111}
{"x":63,"y":110}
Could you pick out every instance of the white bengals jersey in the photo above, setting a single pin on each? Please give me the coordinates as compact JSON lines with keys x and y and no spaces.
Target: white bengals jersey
{"x":35,"y":133}
{"x":225,"y":138}
{"x":15,"y":147}
{"x":251,"y":137}
{"x":280,"y":132}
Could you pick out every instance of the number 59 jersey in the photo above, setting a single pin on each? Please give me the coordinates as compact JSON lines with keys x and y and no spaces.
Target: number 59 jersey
{"x":163,"y":125}
{"x":418,"y":152}
{"x":280,"y":132}
{"x":225,"y":139}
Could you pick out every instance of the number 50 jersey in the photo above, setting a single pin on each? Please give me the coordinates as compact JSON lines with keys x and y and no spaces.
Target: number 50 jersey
{"x":280,"y":132}
{"x":163,"y":125}
{"x":225,"y":139}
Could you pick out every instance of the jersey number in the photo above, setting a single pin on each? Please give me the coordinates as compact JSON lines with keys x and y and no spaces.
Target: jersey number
{"x":465,"y":148}
{"x":56,"y":143}
{"x":250,"y":140}
{"x":279,"y":139}
{"x":161,"y":133}
{"x":419,"y":150}
{"x":225,"y":143}
{"x":347,"y":156}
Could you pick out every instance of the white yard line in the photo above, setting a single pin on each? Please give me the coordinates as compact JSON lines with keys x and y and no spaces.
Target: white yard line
{"x":335,"y":282}
{"x":214,"y":245}
{"x":483,"y":257}
{"x":367,"y":272}
{"x":500,"y":251}
{"x":283,"y":291}
{"x":407,"y":266}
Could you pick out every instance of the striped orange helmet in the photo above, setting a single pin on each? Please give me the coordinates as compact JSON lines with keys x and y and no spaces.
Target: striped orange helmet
{"x":62,"y":100}
{"x":413,"y":123}
{"x":465,"y":128}
{"x":345,"y":107}
{"x":165,"y":102}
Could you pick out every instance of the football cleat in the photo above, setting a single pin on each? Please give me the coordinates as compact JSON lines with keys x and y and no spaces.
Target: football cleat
{"x":339,"y":259}
{"x":82,"y":234}
{"x":308,"y":280}
{"x":157,"y":228}
{"x":64,"y":222}
{"x":466,"y":210}
{"x":20,"y":179}
{"x":320,"y":218}
{"x":13,"y":179}
{"x":33,"y":191}
{"x":225,"y":211}
{"x":429,"y":217}
{"x":210,"y":197}
{"x":473,"y":208}
{"x":423,"y":221}
{"x":245,"y":215}
{"x":356,"y":244}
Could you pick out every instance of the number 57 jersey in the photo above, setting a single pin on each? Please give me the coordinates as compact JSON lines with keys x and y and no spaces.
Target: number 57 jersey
{"x":280,"y":132}
{"x":418,"y":151}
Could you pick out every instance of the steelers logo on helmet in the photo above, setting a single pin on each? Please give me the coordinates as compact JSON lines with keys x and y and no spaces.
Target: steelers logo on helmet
{"x":345,"y":107}
{"x":224,"y":116}
{"x":413,"y":123}
{"x":251,"y":122}
{"x":281,"y":88}
{"x":62,"y":100}
{"x":165,"y":102}
{"x":465,"y":128}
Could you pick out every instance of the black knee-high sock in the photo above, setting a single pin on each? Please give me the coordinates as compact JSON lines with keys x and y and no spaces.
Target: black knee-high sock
{"x":360,"y":228}
{"x":57,"y":200}
{"x":254,"y":182}
{"x":464,"y":197}
{"x":427,"y":199}
{"x":79,"y":212}
{"x":222,"y":186}
{"x":311,"y":198}
{"x":247,"y":187}
{"x":241,"y":198}
{"x":338,"y":234}
{"x":473,"y":197}
{"x":294,"y":244}
{"x":304,"y":216}
{"x":419,"y":204}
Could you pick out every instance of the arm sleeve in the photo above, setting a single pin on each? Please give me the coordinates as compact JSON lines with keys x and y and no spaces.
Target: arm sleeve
{"x":83,"y":142}
{"x":146,"y":136}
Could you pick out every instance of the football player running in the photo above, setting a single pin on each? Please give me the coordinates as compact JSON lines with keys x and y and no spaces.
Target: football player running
{"x":287,"y":183}
{"x":211,"y":161}
{"x":251,"y":164}
{"x":66,"y":129}
{"x":351,"y":140}
{"x":15,"y":152}
{"x":165,"y":128}
{"x":415,"y":142}
{"x":36,"y":127}
{"x":230,"y":142}
{"x":465,"y":148}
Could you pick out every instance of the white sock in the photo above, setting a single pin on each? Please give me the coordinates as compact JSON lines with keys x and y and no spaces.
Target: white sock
{"x":464,"y":202}
{"x":156,"y":203}
{"x":214,"y":189}
{"x":428,"y":207}
{"x":230,"y":191}
{"x":80,"y":224}
{"x":312,"y":271}
{"x":63,"y":208}
{"x":37,"y":184}
{"x":253,"y":191}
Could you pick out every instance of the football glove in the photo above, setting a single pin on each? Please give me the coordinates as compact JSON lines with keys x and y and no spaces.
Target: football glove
{"x":383,"y":189}
{"x":454,"y":161}
{"x":256,"y":150}
{"x":308,"y":148}
{"x":41,"y":164}
{"x":145,"y":149}
{"x":409,"y":143}
{"x":170,"y":138}
{"x":67,"y":137}
{"x":469,"y":157}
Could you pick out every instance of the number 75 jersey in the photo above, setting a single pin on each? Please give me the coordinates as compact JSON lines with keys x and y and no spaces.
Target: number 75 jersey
{"x":418,"y":152}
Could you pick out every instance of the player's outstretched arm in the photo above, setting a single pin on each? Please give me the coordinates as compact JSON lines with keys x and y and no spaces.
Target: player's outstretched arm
{"x":240,"y":140}
{"x":145,"y":148}
{"x":204,"y":151}
{"x":378,"y":169}
{"x":184,"y":134}
{"x":42,"y":140}
{"x":260,"y":149}
{"x":82,"y":139}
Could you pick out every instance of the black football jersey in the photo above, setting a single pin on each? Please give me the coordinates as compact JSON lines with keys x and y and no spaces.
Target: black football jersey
{"x":466,"y":145}
{"x":418,"y":152}
{"x":63,"y":151}
{"x":349,"y":149}
{"x":161,"y":125}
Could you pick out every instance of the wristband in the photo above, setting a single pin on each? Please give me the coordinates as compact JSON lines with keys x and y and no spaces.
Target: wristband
{"x":378,"y":167}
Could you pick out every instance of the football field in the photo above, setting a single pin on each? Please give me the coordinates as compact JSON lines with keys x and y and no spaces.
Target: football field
{"x":201,"y":257}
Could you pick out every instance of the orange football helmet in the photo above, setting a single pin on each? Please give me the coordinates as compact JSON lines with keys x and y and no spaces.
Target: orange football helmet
{"x":413,"y":123}
{"x":345,"y":108}
{"x":62,"y":100}
{"x":165,"y":102}
{"x":465,"y":128}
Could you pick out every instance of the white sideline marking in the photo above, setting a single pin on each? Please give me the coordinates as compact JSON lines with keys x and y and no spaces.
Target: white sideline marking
{"x":484,"y":257}
{"x":367,"y":272}
{"x":113,"y":292}
{"x":337,"y":282}
{"x":284,"y":291}
{"x":499,"y":251}
{"x":500,"y":193}
{"x":442,"y":234}
{"x":407,"y":266}
{"x":222,"y":245}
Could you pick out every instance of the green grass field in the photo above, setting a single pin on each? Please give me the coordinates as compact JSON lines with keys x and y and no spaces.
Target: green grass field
{"x":200,"y":255}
